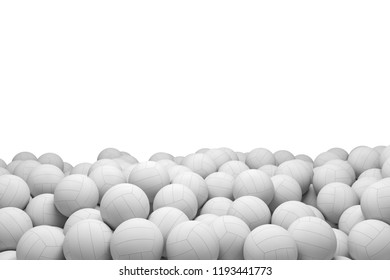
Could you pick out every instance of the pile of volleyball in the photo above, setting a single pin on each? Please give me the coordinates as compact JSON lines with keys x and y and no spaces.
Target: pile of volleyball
{"x":212,"y":204}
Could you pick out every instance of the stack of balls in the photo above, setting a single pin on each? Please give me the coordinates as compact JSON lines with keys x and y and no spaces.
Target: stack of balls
{"x":211,"y":204}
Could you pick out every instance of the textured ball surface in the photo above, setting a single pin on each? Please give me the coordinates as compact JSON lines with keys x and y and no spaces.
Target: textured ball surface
{"x":255,"y":183}
{"x":252,"y":210}
{"x":137,"y":239}
{"x":286,"y":189}
{"x":105,"y":177}
{"x":122,"y":202}
{"x":350,"y":218}
{"x":82,"y":214}
{"x":218,"y":206}
{"x":41,"y":243}
{"x":334,"y":199}
{"x":270,"y":242}
{"x":88,"y":239}
{"x":200,"y":163}
{"x":220,"y":184}
{"x":233,"y":167}
{"x":13,"y":224}
{"x":44,"y":179}
{"x":150,"y":176}
{"x":362,"y":158}
{"x":286,"y":213}
{"x":178,"y":196}
{"x":192,"y":240}
{"x":42,"y":211}
{"x":24,"y":169}
{"x":231,"y":233}
{"x":315,"y":239}
{"x":75,"y":192}
{"x":375,"y":201}
{"x":166,"y":218}
{"x":195,"y":183}
{"x":14,"y":192}
{"x":369,"y":240}
{"x":300,"y":170}
{"x":52,"y":158}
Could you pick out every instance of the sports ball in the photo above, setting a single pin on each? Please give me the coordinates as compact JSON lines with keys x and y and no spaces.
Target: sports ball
{"x":195,"y":183}
{"x":81,"y":168}
{"x":103,"y":162}
{"x":233,"y":167}
{"x":14,"y":192}
{"x":341,"y":153}
{"x":362,"y":158}
{"x":350,"y":218}
{"x":323,"y":158}
{"x":219,"y":156}
{"x":12,"y":165}
{"x":75,"y":192}
{"x":105,"y":177}
{"x":334,"y":198}
{"x":259,"y":157}
{"x":286,"y":189}
{"x":231,"y":233}
{"x":252,"y":210}
{"x":369,"y":240}
{"x":24,"y":169}
{"x":372,"y":172}
{"x":137,"y":239}
{"x":3,"y":171}
{"x":384,"y":155}
{"x":109,"y":153}
{"x":44,"y":179}
{"x":161,"y":155}
{"x":282,"y":156}
{"x":330,"y":173}
{"x":220,"y":184}
{"x":175,"y":170}
{"x":362,"y":184}
{"x":200,"y":163}
{"x":315,"y":239}
{"x":51,"y":158}
{"x":207,"y":219}
{"x":305,"y":158}
{"x":385,"y":171}
{"x":375,"y":201}
{"x":150,"y":176}
{"x":286,"y":213}
{"x":67,"y":168}
{"x":178,"y":196}
{"x":310,"y":197}
{"x":270,"y":242}
{"x":88,"y":239}
{"x":166,"y":218}
{"x":13,"y":224}
{"x":342,"y":243}
{"x":269,"y":169}
{"x":8,"y":255}
{"x":218,"y":206}
{"x":300,"y":170}
{"x":255,"y":183}
{"x":82,"y":214}
{"x":24,"y":156}
{"x":41,"y":243}
{"x":123,"y":202}
{"x":42,"y":211}
{"x":192,"y":240}
{"x":241,"y":156}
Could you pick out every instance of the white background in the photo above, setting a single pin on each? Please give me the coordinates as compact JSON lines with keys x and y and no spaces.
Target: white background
{"x":176,"y":76}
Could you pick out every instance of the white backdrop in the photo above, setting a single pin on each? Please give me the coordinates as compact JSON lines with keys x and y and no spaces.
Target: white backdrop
{"x":176,"y":76}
